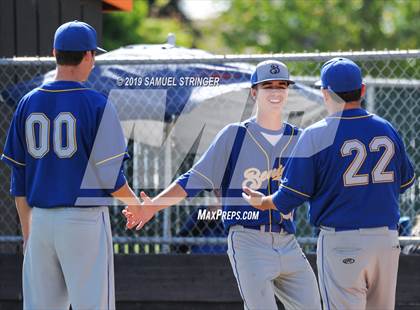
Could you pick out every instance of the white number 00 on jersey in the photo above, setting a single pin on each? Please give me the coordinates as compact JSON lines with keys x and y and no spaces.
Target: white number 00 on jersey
{"x":40,"y":149}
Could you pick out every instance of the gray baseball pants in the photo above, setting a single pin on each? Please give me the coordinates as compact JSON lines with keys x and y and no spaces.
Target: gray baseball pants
{"x":69,"y":260}
{"x":358,"y":269}
{"x":271,"y":264}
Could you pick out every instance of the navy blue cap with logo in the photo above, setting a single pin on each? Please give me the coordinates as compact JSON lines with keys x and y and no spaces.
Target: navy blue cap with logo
{"x":76,"y":36}
{"x":341,"y":75}
{"x":270,"y":70}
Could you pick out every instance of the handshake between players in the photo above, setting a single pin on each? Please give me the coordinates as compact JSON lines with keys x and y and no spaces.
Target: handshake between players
{"x":138,"y":215}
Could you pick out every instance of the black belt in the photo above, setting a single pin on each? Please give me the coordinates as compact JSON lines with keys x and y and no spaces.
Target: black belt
{"x":278,"y":228}
{"x":390,"y":227}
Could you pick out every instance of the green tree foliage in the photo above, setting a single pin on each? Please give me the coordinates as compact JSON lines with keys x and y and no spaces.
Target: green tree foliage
{"x":258,"y":26}
{"x":324,"y":25}
{"x":148,"y":23}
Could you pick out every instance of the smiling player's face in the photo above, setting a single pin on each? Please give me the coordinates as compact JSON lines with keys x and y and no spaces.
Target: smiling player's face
{"x":271,"y":96}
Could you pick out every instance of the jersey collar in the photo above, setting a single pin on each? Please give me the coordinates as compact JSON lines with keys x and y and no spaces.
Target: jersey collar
{"x":350,"y":114}
{"x":59,"y":85}
{"x":259,"y":128}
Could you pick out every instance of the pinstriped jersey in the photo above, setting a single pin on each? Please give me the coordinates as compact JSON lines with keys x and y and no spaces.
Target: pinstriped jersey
{"x":256,"y":163}
{"x":50,"y":141}
{"x":351,"y":168}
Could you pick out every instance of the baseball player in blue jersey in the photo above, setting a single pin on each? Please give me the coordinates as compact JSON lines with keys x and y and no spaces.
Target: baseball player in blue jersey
{"x":68,"y":253}
{"x":352,"y":166}
{"x":265,"y":256}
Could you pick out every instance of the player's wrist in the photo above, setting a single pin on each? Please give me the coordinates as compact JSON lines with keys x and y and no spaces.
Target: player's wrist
{"x":267,"y":203}
{"x":158,"y":204}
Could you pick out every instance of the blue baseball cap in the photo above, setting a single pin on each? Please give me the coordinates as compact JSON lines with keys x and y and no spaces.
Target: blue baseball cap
{"x":270,"y":70}
{"x":76,"y":36}
{"x":341,"y":75}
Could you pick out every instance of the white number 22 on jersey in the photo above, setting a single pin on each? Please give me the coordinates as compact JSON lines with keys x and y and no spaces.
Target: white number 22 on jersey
{"x":379,"y":175}
{"x":40,"y":150}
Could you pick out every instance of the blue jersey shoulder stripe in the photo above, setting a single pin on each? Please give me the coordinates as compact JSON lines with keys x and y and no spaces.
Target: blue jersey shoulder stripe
{"x":290,"y":139}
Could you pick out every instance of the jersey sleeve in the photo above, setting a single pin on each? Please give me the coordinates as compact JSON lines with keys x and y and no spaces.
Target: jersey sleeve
{"x":14,"y":152}
{"x":108,"y":153}
{"x":208,"y":172}
{"x":17,"y":182}
{"x":406,"y":169}
{"x":110,"y":143}
{"x":299,"y":177}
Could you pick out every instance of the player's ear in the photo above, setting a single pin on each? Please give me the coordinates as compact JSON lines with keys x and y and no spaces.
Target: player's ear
{"x":87,"y":56}
{"x":254,"y":92}
{"x":326,"y":94}
{"x":363,"y":93}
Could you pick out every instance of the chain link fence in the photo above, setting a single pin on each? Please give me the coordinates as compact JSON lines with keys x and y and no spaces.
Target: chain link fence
{"x":172,"y":108}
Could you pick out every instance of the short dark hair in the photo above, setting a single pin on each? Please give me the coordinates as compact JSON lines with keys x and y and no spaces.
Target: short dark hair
{"x":70,"y":58}
{"x":349,"y":96}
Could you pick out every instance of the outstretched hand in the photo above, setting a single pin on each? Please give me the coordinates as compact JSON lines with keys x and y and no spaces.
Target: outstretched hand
{"x":138,"y":215}
{"x":256,"y":199}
